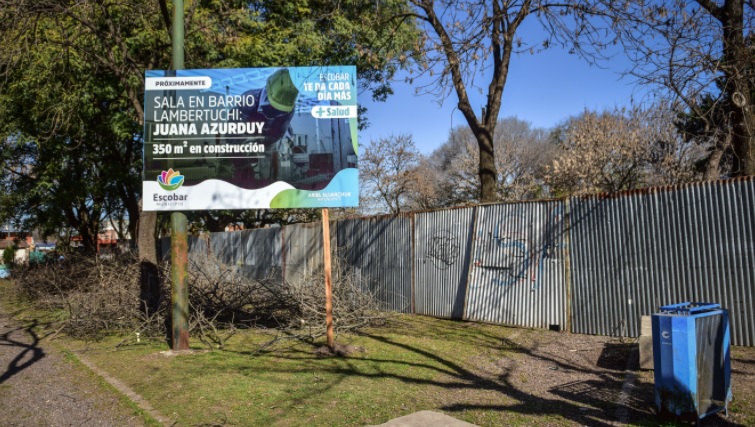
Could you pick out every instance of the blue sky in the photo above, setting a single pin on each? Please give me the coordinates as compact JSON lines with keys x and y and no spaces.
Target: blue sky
{"x":543,"y":89}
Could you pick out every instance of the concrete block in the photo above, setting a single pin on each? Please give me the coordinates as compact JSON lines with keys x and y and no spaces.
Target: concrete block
{"x":646,"y":352}
{"x":646,"y":326}
{"x":425,"y":419}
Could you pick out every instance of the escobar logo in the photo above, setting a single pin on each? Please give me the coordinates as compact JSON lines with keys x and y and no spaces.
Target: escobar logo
{"x":170,"y":180}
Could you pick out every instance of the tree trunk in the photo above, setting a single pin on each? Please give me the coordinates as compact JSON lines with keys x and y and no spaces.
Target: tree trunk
{"x":133,"y":226}
{"x":736,"y":67}
{"x":149,"y":279}
{"x":487,"y":170}
{"x":713,"y":166}
{"x":742,"y":141}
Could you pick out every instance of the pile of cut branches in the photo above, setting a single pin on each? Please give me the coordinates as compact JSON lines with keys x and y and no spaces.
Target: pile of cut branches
{"x":98,"y":297}
{"x":295,"y":309}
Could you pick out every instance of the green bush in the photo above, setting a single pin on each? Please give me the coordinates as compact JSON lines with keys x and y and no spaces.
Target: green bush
{"x":36,"y":257}
{"x":9,"y":255}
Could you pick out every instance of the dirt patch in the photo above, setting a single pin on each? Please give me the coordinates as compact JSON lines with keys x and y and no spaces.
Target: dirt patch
{"x":583,"y":380}
{"x":338,"y":350}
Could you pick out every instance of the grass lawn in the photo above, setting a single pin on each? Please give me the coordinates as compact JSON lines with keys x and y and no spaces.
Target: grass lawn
{"x":410,"y":366}
{"x":489,"y":375}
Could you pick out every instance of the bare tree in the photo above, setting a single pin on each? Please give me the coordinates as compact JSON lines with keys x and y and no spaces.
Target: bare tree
{"x":458,"y":159}
{"x":428,"y":191}
{"x":621,"y":150}
{"x":387,"y":172}
{"x":464,"y":38}
{"x":701,"y":52}
{"x":521,"y":154}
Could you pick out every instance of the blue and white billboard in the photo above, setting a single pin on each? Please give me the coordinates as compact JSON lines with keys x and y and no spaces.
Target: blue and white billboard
{"x":250,"y":138}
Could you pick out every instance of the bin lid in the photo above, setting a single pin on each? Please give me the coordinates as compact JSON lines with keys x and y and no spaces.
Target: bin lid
{"x":689,"y":307}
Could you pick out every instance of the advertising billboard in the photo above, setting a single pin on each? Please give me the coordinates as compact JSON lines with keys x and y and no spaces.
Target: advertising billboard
{"x":250,"y":138}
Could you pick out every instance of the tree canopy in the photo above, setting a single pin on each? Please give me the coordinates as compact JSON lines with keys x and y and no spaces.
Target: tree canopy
{"x":388,"y":173}
{"x":699,"y":53}
{"x":618,"y":150}
{"x":72,"y":79}
{"x":72,"y":76}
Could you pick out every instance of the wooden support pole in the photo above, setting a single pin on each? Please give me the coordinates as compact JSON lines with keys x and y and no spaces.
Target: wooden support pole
{"x":328,"y":278}
{"x":179,"y":247}
{"x":179,"y":260}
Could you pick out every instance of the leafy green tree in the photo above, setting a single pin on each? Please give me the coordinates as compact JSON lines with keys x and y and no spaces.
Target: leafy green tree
{"x":9,"y":255}
{"x":72,"y":84}
{"x":74,"y":74}
{"x":69,"y":154}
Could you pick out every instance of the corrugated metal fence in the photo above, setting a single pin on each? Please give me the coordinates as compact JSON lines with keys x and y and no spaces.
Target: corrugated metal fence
{"x":590,"y":265}
{"x":517,"y":276}
{"x":638,"y":251}
{"x":442,"y":253}
{"x":301,"y":252}
{"x":379,"y":253}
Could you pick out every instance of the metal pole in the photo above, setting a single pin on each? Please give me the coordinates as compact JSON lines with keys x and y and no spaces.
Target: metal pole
{"x":178,"y":34}
{"x":179,"y":247}
{"x":328,"y":282}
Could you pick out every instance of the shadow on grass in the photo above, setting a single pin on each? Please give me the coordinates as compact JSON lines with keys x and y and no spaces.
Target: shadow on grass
{"x":595,"y":401}
{"x":24,"y":350}
{"x":579,"y":394}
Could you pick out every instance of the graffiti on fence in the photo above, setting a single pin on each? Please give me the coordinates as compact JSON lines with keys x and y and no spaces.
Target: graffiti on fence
{"x":443,"y":249}
{"x":504,"y":249}
{"x":516,"y":248}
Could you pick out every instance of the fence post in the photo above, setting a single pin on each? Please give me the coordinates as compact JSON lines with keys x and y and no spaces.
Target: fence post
{"x":567,"y":262}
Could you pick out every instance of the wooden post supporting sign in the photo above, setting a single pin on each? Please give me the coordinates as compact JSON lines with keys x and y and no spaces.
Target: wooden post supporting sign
{"x":328,"y":277}
{"x":179,"y":247}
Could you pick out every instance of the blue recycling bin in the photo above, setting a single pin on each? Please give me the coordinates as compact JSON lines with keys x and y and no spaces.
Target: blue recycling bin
{"x":692,"y":361}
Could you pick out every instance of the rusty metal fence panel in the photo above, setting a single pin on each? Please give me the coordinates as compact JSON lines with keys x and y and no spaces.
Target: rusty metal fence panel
{"x":517,"y":272}
{"x":378,"y":251}
{"x":442,"y":248}
{"x":635,"y":252}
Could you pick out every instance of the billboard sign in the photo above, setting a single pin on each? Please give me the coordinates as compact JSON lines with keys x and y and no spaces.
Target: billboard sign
{"x":250,"y":138}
